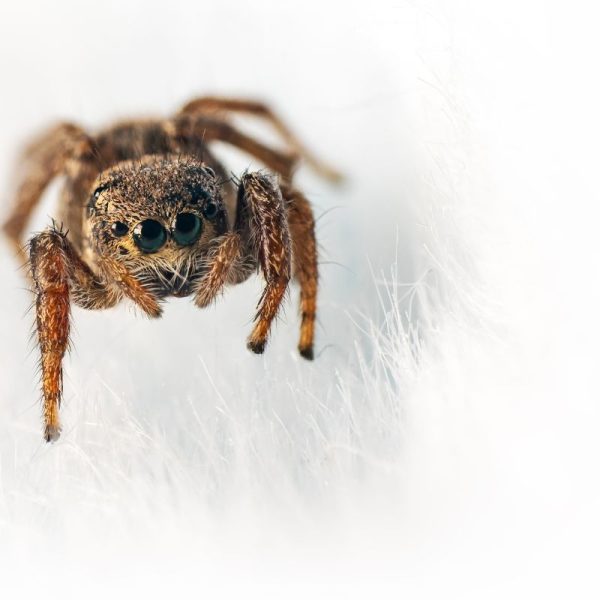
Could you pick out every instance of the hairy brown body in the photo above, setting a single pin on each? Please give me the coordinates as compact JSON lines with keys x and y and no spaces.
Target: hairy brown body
{"x":151,"y":213}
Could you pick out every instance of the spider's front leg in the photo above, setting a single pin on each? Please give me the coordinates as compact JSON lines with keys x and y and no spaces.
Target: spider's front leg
{"x":61,"y":276}
{"x":57,"y":274}
{"x":262,"y":223}
{"x":50,"y":272}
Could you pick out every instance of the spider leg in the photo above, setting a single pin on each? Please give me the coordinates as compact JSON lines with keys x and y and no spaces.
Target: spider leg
{"x":59,"y":275}
{"x":216,"y":105}
{"x":43,"y":160}
{"x":191,"y":129}
{"x":262,"y":220}
{"x":304,"y":251}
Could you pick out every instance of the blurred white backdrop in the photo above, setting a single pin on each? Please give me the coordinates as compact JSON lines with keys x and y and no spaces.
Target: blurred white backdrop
{"x":444,"y":441}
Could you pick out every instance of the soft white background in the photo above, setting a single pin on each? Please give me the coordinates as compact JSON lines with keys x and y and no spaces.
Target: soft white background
{"x":444,"y":442}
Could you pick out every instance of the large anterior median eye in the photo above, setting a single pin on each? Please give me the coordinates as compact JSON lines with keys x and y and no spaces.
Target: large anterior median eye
{"x":188,"y":228}
{"x":149,"y":236}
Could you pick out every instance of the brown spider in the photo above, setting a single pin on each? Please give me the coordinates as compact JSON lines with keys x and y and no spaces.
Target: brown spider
{"x":151,"y":213}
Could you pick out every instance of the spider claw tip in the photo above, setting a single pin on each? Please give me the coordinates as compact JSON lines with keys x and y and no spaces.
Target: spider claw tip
{"x":258,"y":347}
{"x":307,"y":353}
{"x":51,"y":433}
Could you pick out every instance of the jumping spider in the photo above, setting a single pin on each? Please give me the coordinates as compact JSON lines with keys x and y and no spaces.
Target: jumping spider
{"x":151,"y":213}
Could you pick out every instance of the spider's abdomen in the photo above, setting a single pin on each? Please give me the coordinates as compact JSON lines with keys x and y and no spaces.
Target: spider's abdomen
{"x":132,"y":140}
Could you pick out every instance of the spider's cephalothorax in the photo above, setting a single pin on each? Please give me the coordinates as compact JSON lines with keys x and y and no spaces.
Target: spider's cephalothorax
{"x":150,"y":214}
{"x":158,"y":218}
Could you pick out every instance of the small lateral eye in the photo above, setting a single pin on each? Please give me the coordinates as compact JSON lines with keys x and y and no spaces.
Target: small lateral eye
{"x":188,"y":228}
{"x":209,"y":170}
{"x":119,"y":229}
{"x":210,"y":210}
{"x":199,"y":194}
{"x":99,"y":190}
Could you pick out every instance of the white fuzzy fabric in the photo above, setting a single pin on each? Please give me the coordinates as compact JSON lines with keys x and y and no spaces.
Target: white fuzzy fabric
{"x":444,"y":442}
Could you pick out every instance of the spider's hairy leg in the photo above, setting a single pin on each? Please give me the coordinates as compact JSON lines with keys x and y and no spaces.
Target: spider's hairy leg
{"x":50,"y":274}
{"x":222,"y":262}
{"x":190,"y":129}
{"x":304,"y":251}
{"x":261,"y":214}
{"x":216,"y":105}
{"x":44,"y":159}
{"x":59,"y":275}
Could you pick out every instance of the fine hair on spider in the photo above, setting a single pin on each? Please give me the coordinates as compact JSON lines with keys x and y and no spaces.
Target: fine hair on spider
{"x":147,"y":212}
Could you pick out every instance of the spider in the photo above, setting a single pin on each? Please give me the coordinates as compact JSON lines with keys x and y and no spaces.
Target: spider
{"x":149,"y":212}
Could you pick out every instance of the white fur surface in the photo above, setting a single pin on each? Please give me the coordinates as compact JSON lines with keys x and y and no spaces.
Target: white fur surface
{"x":444,"y":442}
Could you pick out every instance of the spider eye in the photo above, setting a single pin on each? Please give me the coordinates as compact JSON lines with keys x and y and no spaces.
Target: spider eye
{"x":210,"y":210}
{"x":149,"y":236}
{"x":119,"y":229}
{"x":209,"y":170}
{"x":188,"y":228}
{"x":99,"y":191}
{"x":198,"y":194}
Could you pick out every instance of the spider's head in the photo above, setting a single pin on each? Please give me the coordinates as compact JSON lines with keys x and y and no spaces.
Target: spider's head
{"x":158,"y":217}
